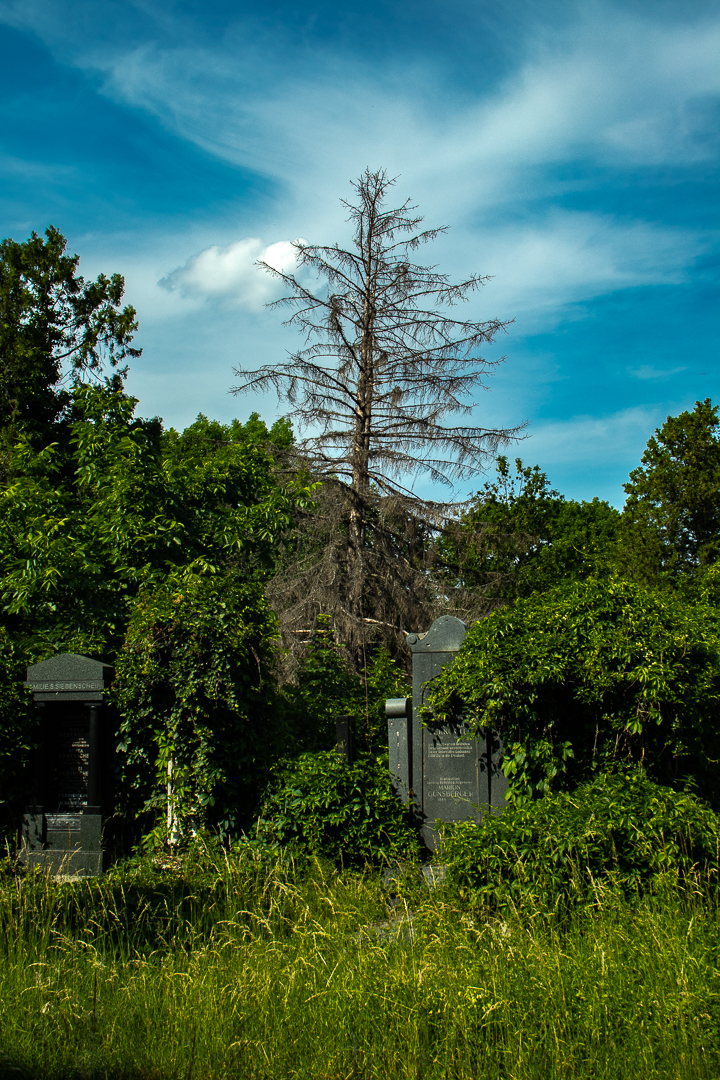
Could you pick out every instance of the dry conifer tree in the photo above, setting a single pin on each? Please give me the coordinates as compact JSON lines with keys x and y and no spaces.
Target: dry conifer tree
{"x":385,"y":364}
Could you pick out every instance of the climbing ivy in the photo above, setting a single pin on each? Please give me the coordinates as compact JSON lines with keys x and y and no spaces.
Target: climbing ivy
{"x":589,"y":674}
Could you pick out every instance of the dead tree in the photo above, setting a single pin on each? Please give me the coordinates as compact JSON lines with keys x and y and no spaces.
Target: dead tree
{"x":384,"y":365}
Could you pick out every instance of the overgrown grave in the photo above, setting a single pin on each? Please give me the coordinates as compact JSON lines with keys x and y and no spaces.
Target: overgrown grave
{"x":440,"y":769}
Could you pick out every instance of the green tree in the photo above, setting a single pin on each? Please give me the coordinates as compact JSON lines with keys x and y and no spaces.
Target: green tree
{"x":121,"y":506}
{"x":591,"y":674}
{"x":520,"y":536}
{"x":672,"y":511}
{"x":97,"y":531}
{"x":53,"y":324}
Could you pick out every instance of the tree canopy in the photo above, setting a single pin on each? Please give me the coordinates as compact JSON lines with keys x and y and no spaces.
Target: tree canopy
{"x":520,"y":536}
{"x":55,"y":329}
{"x":673,"y":497}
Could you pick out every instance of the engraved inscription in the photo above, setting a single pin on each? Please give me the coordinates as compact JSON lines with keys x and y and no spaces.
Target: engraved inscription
{"x":63,"y":821}
{"x":459,"y":749}
{"x":73,"y":765}
{"x":94,"y":684}
{"x":450,"y":774}
{"x":451,"y":787}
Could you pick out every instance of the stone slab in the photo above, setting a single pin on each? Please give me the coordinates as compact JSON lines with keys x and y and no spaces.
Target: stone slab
{"x":76,"y":863}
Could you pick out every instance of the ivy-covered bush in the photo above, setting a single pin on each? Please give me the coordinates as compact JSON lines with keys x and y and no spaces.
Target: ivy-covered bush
{"x":347,"y":813}
{"x":590,"y":674}
{"x":199,"y":723}
{"x":16,"y":730}
{"x":620,"y":829}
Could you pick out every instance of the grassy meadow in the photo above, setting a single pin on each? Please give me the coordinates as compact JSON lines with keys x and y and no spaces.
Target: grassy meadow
{"x":227,"y":966}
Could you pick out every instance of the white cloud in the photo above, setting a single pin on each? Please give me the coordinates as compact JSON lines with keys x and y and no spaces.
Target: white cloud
{"x":647,"y":371}
{"x":589,"y":439}
{"x":543,"y":265}
{"x":230,"y":274}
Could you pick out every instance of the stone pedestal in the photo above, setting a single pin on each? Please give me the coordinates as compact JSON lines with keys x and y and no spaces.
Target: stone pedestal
{"x":71,"y":844}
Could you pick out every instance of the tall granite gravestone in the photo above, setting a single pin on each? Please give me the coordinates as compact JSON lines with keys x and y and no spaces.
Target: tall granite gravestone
{"x":448,"y":776}
{"x":62,"y":826}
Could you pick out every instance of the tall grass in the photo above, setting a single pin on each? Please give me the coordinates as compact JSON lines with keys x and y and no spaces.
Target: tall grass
{"x":253,"y":972}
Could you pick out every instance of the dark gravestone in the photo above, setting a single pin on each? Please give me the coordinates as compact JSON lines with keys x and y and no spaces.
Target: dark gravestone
{"x":344,"y":737}
{"x":62,"y":825}
{"x":449,"y":776}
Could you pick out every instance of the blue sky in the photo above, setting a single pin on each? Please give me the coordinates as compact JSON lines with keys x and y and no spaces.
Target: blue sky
{"x":572,"y":148}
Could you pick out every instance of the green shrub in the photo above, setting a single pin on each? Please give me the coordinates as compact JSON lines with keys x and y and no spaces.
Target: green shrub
{"x":16,"y":731}
{"x":347,"y":813}
{"x":590,"y":675}
{"x":621,"y":829}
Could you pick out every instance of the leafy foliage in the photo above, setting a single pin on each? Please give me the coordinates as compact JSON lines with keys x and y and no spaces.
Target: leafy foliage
{"x":589,"y":674}
{"x":347,"y":813}
{"x":82,"y":528}
{"x":199,"y":720}
{"x":673,"y":497}
{"x":326,"y":686}
{"x":53,"y":322}
{"x":16,"y":727}
{"x":520,"y":536}
{"x":98,"y":537}
{"x":620,"y":829}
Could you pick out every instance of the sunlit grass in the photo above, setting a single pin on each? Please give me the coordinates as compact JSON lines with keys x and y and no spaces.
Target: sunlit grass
{"x":271,"y":973}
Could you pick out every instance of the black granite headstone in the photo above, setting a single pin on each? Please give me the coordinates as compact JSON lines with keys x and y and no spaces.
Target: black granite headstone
{"x":448,"y":775}
{"x":62,"y":825}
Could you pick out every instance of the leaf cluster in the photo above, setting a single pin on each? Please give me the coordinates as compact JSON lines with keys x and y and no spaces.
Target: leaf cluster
{"x":620,"y":829}
{"x":121,"y":506}
{"x":199,"y":719}
{"x":347,"y":813}
{"x":589,"y":674}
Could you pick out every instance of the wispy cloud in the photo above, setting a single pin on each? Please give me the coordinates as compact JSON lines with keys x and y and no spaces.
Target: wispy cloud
{"x":617,"y":90}
{"x":647,"y":371}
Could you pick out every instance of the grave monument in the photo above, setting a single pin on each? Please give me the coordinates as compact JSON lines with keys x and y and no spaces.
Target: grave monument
{"x":62,"y":825}
{"x":447,"y":775}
